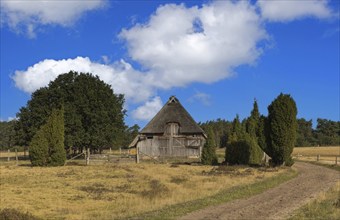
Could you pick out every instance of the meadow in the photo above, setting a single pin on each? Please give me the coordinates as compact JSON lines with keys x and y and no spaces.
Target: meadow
{"x":112,"y":191}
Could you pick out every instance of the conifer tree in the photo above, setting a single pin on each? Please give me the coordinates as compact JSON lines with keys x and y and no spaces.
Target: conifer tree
{"x":242,"y":145}
{"x":47,"y":145}
{"x":209,"y":150}
{"x":282,"y":129}
{"x":232,"y":151}
{"x":261,"y":135}
{"x":252,"y":125}
{"x":38,"y":150}
{"x":55,"y":133}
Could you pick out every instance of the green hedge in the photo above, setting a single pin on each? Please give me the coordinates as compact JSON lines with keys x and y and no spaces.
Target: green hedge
{"x":244,"y":151}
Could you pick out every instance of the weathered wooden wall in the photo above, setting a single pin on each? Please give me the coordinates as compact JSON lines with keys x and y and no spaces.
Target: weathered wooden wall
{"x":169,"y":146}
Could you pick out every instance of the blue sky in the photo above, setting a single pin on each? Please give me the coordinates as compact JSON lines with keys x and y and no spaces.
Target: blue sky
{"x":215,"y":56}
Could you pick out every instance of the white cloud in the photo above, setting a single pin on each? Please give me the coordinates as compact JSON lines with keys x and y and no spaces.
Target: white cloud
{"x":25,"y":16}
{"x":176,"y":47}
{"x":202,"y":97}
{"x":148,"y":110}
{"x":294,"y":9}
{"x":180,"y":45}
{"x":120,"y":75}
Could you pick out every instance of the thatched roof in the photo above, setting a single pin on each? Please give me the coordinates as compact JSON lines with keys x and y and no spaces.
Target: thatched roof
{"x":172,"y":111}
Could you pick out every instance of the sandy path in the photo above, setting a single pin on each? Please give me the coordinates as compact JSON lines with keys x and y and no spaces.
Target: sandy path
{"x":276,"y":203}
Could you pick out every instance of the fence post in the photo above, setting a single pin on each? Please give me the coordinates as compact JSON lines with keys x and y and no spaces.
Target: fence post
{"x":137,"y":154}
{"x":8,"y":157}
{"x":88,"y":156}
{"x":120,"y":151}
{"x":16,"y":156}
{"x":336,"y":160}
{"x":318,"y":157}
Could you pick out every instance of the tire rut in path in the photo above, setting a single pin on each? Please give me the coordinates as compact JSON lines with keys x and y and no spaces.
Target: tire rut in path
{"x":278,"y":202}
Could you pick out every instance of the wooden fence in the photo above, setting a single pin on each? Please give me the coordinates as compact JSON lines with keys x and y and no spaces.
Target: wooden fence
{"x":326,"y":159}
{"x":13,"y":155}
{"x":118,"y":156}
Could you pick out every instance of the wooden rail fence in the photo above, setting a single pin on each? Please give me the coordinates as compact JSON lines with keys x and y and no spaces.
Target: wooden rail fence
{"x":330,"y":159}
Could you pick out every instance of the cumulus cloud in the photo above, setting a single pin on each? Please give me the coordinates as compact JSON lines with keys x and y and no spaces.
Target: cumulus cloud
{"x":120,"y":75}
{"x":25,"y":16}
{"x":284,"y":11}
{"x":177,"y":46}
{"x":181,"y":45}
{"x":148,"y":110}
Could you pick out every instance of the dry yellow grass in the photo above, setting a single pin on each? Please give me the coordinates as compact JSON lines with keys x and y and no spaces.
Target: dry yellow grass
{"x":313,"y":151}
{"x":112,"y":191}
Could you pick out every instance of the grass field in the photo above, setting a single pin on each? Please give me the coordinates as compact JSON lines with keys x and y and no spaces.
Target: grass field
{"x":327,"y":154}
{"x":326,"y":206}
{"x":116,"y":191}
{"x":313,"y":151}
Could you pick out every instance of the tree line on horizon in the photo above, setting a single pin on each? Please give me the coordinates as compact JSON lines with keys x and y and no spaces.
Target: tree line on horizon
{"x":325,"y":133}
{"x":276,"y":135}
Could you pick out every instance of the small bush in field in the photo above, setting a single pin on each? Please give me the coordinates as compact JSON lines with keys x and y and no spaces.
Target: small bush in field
{"x":244,"y":151}
{"x":157,"y":189}
{"x":178,"y":179}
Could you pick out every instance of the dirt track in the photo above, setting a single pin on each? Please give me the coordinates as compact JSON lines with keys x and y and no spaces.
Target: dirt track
{"x":276,"y":203}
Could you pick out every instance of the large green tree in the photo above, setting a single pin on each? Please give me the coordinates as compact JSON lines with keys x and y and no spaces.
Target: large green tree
{"x":304,"y":133}
{"x":94,"y":115}
{"x":130,"y":134}
{"x":282,"y":129}
{"x":7,"y":134}
{"x":327,"y":132}
{"x":47,"y":145}
{"x":221,"y":129}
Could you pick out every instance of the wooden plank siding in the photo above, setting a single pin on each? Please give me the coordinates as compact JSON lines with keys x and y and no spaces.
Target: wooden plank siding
{"x":170,"y":146}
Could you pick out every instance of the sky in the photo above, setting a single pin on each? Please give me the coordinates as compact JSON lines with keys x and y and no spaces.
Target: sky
{"x":216,"y":57}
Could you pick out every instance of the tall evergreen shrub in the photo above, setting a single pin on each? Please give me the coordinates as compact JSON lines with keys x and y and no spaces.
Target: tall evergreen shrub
{"x":47,"y":145}
{"x":209,"y":156}
{"x":282,"y":129}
